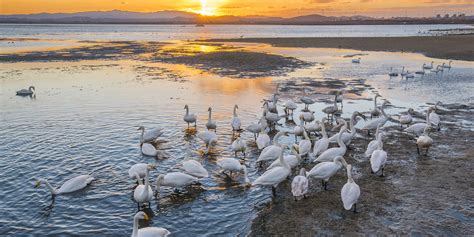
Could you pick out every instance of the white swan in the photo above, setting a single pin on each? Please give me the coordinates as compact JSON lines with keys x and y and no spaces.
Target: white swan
{"x":292,"y":160}
{"x":409,"y":75}
{"x":428,"y":67}
{"x":140,"y":170}
{"x":263,"y":140}
{"x":189,"y":118}
{"x":299,"y":129}
{"x":339,"y":98}
{"x":143,"y":192}
{"x":272,"y":152}
{"x":193,"y":167}
{"x":322,"y":144}
{"x":235,"y":120}
{"x":406,"y":119}
{"x":326,"y":170}
{"x":348,"y":136}
{"x":304,"y":147}
{"x":209,"y":138}
{"x":25,"y":92}
{"x":329,"y":154}
{"x":254,"y":128}
{"x":71,"y":185}
{"x":434,"y":117}
{"x":147,"y":231}
{"x":424,"y":141}
{"x":238,"y":146}
{"x":447,"y":65}
{"x":378,"y":157}
{"x":356,"y":60}
{"x":289,"y":106}
{"x":350,"y":192}
{"x":299,"y":185}
{"x":233,"y":165}
{"x":175,"y":180}
{"x":418,"y":128}
{"x":331,"y":110}
{"x":308,"y":117}
{"x":274,"y":176}
{"x":374,"y":123}
{"x":150,"y":135}
{"x":149,"y":150}
{"x":375,"y":111}
{"x":372,"y":146}
{"x":307,"y":101}
{"x":211,"y":124}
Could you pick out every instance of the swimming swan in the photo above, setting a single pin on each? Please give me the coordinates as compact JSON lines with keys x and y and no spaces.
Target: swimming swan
{"x":71,"y":185}
{"x":209,"y":138}
{"x":193,"y":167}
{"x":147,"y":231}
{"x":238,"y":145}
{"x":25,"y":92}
{"x":149,"y":150}
{"x":143,"y":192}
{"x":233,"y":165}
{"x":150,"y":135}
{"x":175,"y":180}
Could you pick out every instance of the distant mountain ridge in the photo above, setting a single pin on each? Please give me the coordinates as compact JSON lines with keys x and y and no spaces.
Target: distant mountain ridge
{"x":181,"y":17}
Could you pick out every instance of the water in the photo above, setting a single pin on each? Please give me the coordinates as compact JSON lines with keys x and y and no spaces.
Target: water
{"x":85,"y":115}
{"x":190,"y":32}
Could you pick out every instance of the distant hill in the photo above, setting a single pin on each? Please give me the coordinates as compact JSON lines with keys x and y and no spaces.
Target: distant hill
{"x":180,"y":17}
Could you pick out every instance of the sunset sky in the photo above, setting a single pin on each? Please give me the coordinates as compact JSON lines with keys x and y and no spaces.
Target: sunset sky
{"x":285,"y":8}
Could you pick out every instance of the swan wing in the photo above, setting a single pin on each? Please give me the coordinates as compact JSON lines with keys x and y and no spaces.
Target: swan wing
{"x":434,"y":118}
{"x":236,"y":123}
{"x":263,"y":140}
{"x":76,"y":183}
{"x":269,"y":153}
{"x":148,"y":149}
{"x":299,"y":186}
{"x":320,"y":146}
{"x":139,"y":169}
{"x":371,"y":147}
{"x":350,"y":193}
{"x":178,"y":179}
{"x":272,"y":177}
{"x":377,"y":160}
{"x":152,"y":134}
{"x":304,"y":147}
{"x":195,"y":168}
{"x":416,"y":128}
{"x":330,"y":154}
{"x":229,"y":164}
{"x":153,"y":232}
{"x":324,"y":170}
{"x":139,"y":196}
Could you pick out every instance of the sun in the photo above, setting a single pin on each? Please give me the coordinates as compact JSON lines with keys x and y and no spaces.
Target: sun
{"x":206,"y":10}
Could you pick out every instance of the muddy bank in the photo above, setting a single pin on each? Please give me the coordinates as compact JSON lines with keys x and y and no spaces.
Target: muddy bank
{"x":459,"y":47}
{"x":419,"y":194}
{"x":214,"y":58}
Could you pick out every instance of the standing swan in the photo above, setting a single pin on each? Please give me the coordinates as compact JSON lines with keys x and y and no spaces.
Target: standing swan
{"x":304,"y":147}
{"x":147,"y":231}
{"x":331,"y":110}
{"x":374,"y":123}
{"x":143,"y":193}
{"x":189,"y":118}
{"x":424,"y":141}
{"x":378,"y":157}
{"x":346,"y":136}
{"x":238,"y":146}
{"x":72,"y":185}
{"x":434,"y":117}
{"x":25,"y":92}
{"x":330,"y":154}
{"x":263,"y":140}
{"x":374,"y":144}
{"x":299,"y":185}
{"x":272,"y":152}
{"x":274,"y":176}
{"x":233,"y":165}
{"x":418,"y":128}
{"x":209,"y":138}
{"x":292,"y":160}
{"x":211,"y":124}
{"x":326,"y":170}
{"x":322,"y":144}
{"x":350,"y":192}
{"x":406,"y":119}
{"x":235,"y":120}
{"x":150,"y":135}
{"x":375,"y":111}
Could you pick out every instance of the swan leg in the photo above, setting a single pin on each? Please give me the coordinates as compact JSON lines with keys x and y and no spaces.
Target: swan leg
{"x":382,"y":173}
{"x":426,"y":153}
{"x":273,"y":191}
{"x":188,"y":125}
{"x":325,"y":185}
{"x":417,"y":149}
{"x":295,"y":198}
{"x":355,"y":207}
{"x":195,"y":124}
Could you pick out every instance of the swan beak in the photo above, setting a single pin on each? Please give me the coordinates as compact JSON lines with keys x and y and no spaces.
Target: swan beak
{"x":146,"y":217}
{"x":37,"y":184}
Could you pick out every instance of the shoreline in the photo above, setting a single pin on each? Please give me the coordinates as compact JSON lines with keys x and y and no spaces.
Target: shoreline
{"x":454,"y":47}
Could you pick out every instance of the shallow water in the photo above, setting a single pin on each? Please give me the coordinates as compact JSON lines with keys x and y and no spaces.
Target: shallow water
{"x":85,"y":115}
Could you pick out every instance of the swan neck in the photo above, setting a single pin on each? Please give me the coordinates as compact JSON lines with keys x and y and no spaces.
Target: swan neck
{"x":187,"y":110}
{"x":351,"y":123}
{"x":428,"y":116}
{"x":147,"y":184}
{"x":339,"y":137}
{"x":275,"y":139}
{"x":135,"y":227}
{"x":380,"y":143}
{"x":323,"y":130}
{"x":349,"y":174}
{"x":141,"y":137}
{"x":51,"y":189}
{"x":138,"y":179}
{"x":375,"y":102}
{"x":235,"y":111}
{"x":209,"y":118}
{"x":282,"y":160}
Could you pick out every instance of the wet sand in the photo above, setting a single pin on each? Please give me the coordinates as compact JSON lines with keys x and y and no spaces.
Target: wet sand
{"x":456,"y":47}
{"x":418,"y":195}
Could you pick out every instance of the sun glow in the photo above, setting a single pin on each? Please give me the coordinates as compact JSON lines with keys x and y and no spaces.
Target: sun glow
{"x":206,"y":10}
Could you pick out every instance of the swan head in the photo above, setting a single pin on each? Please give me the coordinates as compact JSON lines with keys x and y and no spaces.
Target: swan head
{"x":31,"y":88}
{"x":142,"y":215}
{"x":38,"y":183}
{"x":209,"y":109}
{"x":360,"y":115}
{"x":141,"y":128}
{"x":151,"y":166}
{"x":186,"y":107}
{"x":236,"y":106}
